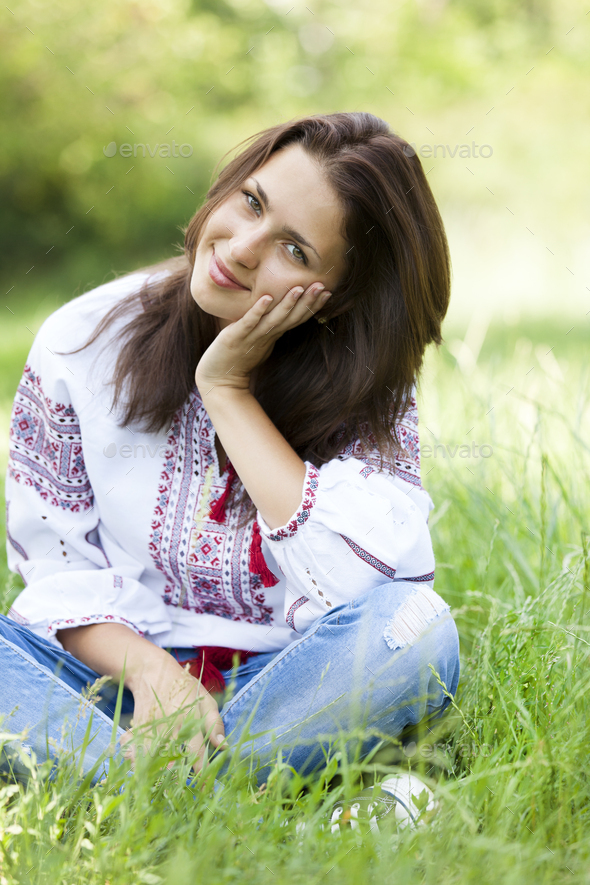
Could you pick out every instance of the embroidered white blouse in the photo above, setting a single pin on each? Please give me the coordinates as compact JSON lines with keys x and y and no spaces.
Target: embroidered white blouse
{"x":109,"y":524}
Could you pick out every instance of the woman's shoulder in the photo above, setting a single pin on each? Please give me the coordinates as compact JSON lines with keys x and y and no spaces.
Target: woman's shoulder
{"x":403,"y":458}
{"x":73,"y":323}
{"x":87,"y":309}
{"x":405,"y":425}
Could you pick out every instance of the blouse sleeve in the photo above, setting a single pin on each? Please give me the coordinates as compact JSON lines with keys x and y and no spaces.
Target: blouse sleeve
{"x":357,"y":527}
{"x":52,"y":520}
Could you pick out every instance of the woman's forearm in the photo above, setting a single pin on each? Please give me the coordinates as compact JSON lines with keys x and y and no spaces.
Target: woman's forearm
{"x":107,"y":648}
{"x":268,"y":466}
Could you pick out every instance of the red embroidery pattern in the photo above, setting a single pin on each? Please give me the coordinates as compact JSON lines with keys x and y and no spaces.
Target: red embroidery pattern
{"x":46,"y":447}
{"x":291,"y":613}
{"x":407,"y":462}
{"x":91,"y":619}
{"x":421,"y":579}
{"x":15,"y":616}
{"x":367,"y":557}
{"x":309,"y":498}
{"x":205,"y":562}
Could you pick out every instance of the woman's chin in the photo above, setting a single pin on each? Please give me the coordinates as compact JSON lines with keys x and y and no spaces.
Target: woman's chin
{"x":228,"y":308}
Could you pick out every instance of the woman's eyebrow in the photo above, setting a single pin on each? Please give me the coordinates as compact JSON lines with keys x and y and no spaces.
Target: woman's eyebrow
{"x":286,"y":229}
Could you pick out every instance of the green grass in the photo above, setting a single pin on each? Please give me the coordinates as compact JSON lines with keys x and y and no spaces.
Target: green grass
{"x":509,"y":763}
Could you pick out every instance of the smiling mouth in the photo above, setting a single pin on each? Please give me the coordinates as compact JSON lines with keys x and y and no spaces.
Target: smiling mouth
{"x":221,"y":275}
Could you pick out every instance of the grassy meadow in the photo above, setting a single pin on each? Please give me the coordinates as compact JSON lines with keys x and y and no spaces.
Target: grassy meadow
{"x":509,"y":763}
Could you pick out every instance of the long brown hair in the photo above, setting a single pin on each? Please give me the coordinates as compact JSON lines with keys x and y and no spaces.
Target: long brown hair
{"x":324,"y":384}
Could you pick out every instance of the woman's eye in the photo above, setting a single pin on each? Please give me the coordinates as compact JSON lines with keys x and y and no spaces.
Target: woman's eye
{"x":251,"y":197}
{"x":303,"y":259}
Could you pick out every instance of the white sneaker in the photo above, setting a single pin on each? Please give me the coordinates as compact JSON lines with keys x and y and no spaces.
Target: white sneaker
{"x":403,"y":795}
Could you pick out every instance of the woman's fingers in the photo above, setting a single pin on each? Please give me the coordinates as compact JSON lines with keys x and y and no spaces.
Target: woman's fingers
{"x":298,"y":305}
{"x":206,"y":728}
{"x":134,"y":743}
{"x":214,"y":728}
{"x":197,"y":745}
{"x":312,"y":301}
{"x":215,"y":736}
{"x":197,"y":749}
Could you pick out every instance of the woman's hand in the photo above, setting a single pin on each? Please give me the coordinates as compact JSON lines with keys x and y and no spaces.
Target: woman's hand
{"x":243,"y":345}
{"x":159,"y":685}
{"x":162,"y":691}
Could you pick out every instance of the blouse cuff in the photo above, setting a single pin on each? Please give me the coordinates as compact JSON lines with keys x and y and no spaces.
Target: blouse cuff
{"x":309,"y":497}
{"x":83,"y":620}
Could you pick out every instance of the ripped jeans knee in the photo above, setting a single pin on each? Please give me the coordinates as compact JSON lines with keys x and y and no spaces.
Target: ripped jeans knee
{"x":420,"y":608}
{"x":408,"y":632}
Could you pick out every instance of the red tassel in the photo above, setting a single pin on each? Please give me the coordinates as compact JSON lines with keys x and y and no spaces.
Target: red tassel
{"x":217,"y":511}
{"x":210,"y":660}
{"x":258,"y":564}
{"x":210,"y":677}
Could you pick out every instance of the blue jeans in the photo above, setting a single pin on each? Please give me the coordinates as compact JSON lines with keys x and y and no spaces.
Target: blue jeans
{"x":362,"y":666}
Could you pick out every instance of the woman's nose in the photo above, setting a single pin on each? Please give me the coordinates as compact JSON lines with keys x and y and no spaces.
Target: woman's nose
{"x":246,"y":247}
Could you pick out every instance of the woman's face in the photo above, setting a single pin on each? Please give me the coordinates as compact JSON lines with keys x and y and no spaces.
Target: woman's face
{"x":283,"y":232}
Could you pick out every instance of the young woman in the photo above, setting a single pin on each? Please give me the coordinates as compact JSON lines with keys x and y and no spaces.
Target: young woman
{"x":250,"y":495}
